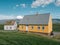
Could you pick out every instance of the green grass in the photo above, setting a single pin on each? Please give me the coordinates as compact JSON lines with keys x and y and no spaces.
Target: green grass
{"x":22,"y":38}
{"x":56,"y":27}
{"x":1,"y":26}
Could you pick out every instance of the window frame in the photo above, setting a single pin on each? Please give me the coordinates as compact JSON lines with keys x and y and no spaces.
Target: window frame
{"x":38,"y":27}
{"x":10,"y":27}
{"x":43,"y":27}
{"x":32,"y":27}
{"x":6,"y":27}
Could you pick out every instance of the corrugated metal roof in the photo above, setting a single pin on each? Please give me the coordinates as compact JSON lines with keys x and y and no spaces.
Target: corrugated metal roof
{"x":36,"y":19}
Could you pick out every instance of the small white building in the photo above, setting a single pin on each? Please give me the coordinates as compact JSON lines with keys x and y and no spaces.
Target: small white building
{"x":10,"y":25}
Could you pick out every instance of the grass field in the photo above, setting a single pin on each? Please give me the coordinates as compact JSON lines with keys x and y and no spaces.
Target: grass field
{"x":22,"y":38}
{"x":56,"y":27}
{"x":1,"y":26}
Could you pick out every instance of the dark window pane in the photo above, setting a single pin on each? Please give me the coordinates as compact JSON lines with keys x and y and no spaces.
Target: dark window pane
{"x":39,"y":27}
{"x":32,"y":27}
{"x":43,"y":27}
{"x":10,"y":27}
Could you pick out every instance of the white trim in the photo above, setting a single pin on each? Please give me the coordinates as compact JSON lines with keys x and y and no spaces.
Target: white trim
{"x":26,"y":28}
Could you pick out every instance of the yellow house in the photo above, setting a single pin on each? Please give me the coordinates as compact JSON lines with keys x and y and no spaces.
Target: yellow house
{"x":41,"y":23}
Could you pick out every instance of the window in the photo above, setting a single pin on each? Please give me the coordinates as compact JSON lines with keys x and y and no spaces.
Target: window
{"x":6,"y":27}
{"x":27,"y":25}
{"x":38,"y":27}
{"x":22,"y":27}
{"x":43,"y":27}
{"x":10,"y":27}
{"x":32,"y":27}
{"x":17,"y":25}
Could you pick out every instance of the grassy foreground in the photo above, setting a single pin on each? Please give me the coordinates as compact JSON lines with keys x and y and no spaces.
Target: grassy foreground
{"x":22,"y":38}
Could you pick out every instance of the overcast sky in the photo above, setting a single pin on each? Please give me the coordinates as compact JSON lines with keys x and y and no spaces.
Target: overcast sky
{"x":9,"y":9}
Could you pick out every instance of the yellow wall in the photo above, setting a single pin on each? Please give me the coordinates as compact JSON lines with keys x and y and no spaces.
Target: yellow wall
{"x":50,"y":25}
{"x":35,"y":28}
{"x":22,"y":29}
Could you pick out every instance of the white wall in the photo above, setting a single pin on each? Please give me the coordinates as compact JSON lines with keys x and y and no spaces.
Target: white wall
{"x":10,"y":27}
{"x":15,"y":25}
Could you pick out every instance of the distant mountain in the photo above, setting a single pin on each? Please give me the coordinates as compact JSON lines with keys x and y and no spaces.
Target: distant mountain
{"x":3,"y":21}
{"x":56,"y":20}
{"x":18,"y":20}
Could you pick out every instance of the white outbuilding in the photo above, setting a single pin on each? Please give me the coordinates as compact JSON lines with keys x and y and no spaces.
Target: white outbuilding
{"x":10,"y":25}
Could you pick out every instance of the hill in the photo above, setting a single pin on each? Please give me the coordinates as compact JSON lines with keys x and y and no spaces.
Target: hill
{"x":23,"y":38}
{"x":3,"y":21}
{"x":55,"y":21}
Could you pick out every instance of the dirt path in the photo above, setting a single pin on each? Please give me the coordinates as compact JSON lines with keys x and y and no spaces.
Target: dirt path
{"x":56,"y":33}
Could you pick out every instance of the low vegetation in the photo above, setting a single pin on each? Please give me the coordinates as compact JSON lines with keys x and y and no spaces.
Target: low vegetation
{"x":23,"y":38}
{"x":1,"y":26}
{"x":56,"y":27}
{"x":57,"y":36}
